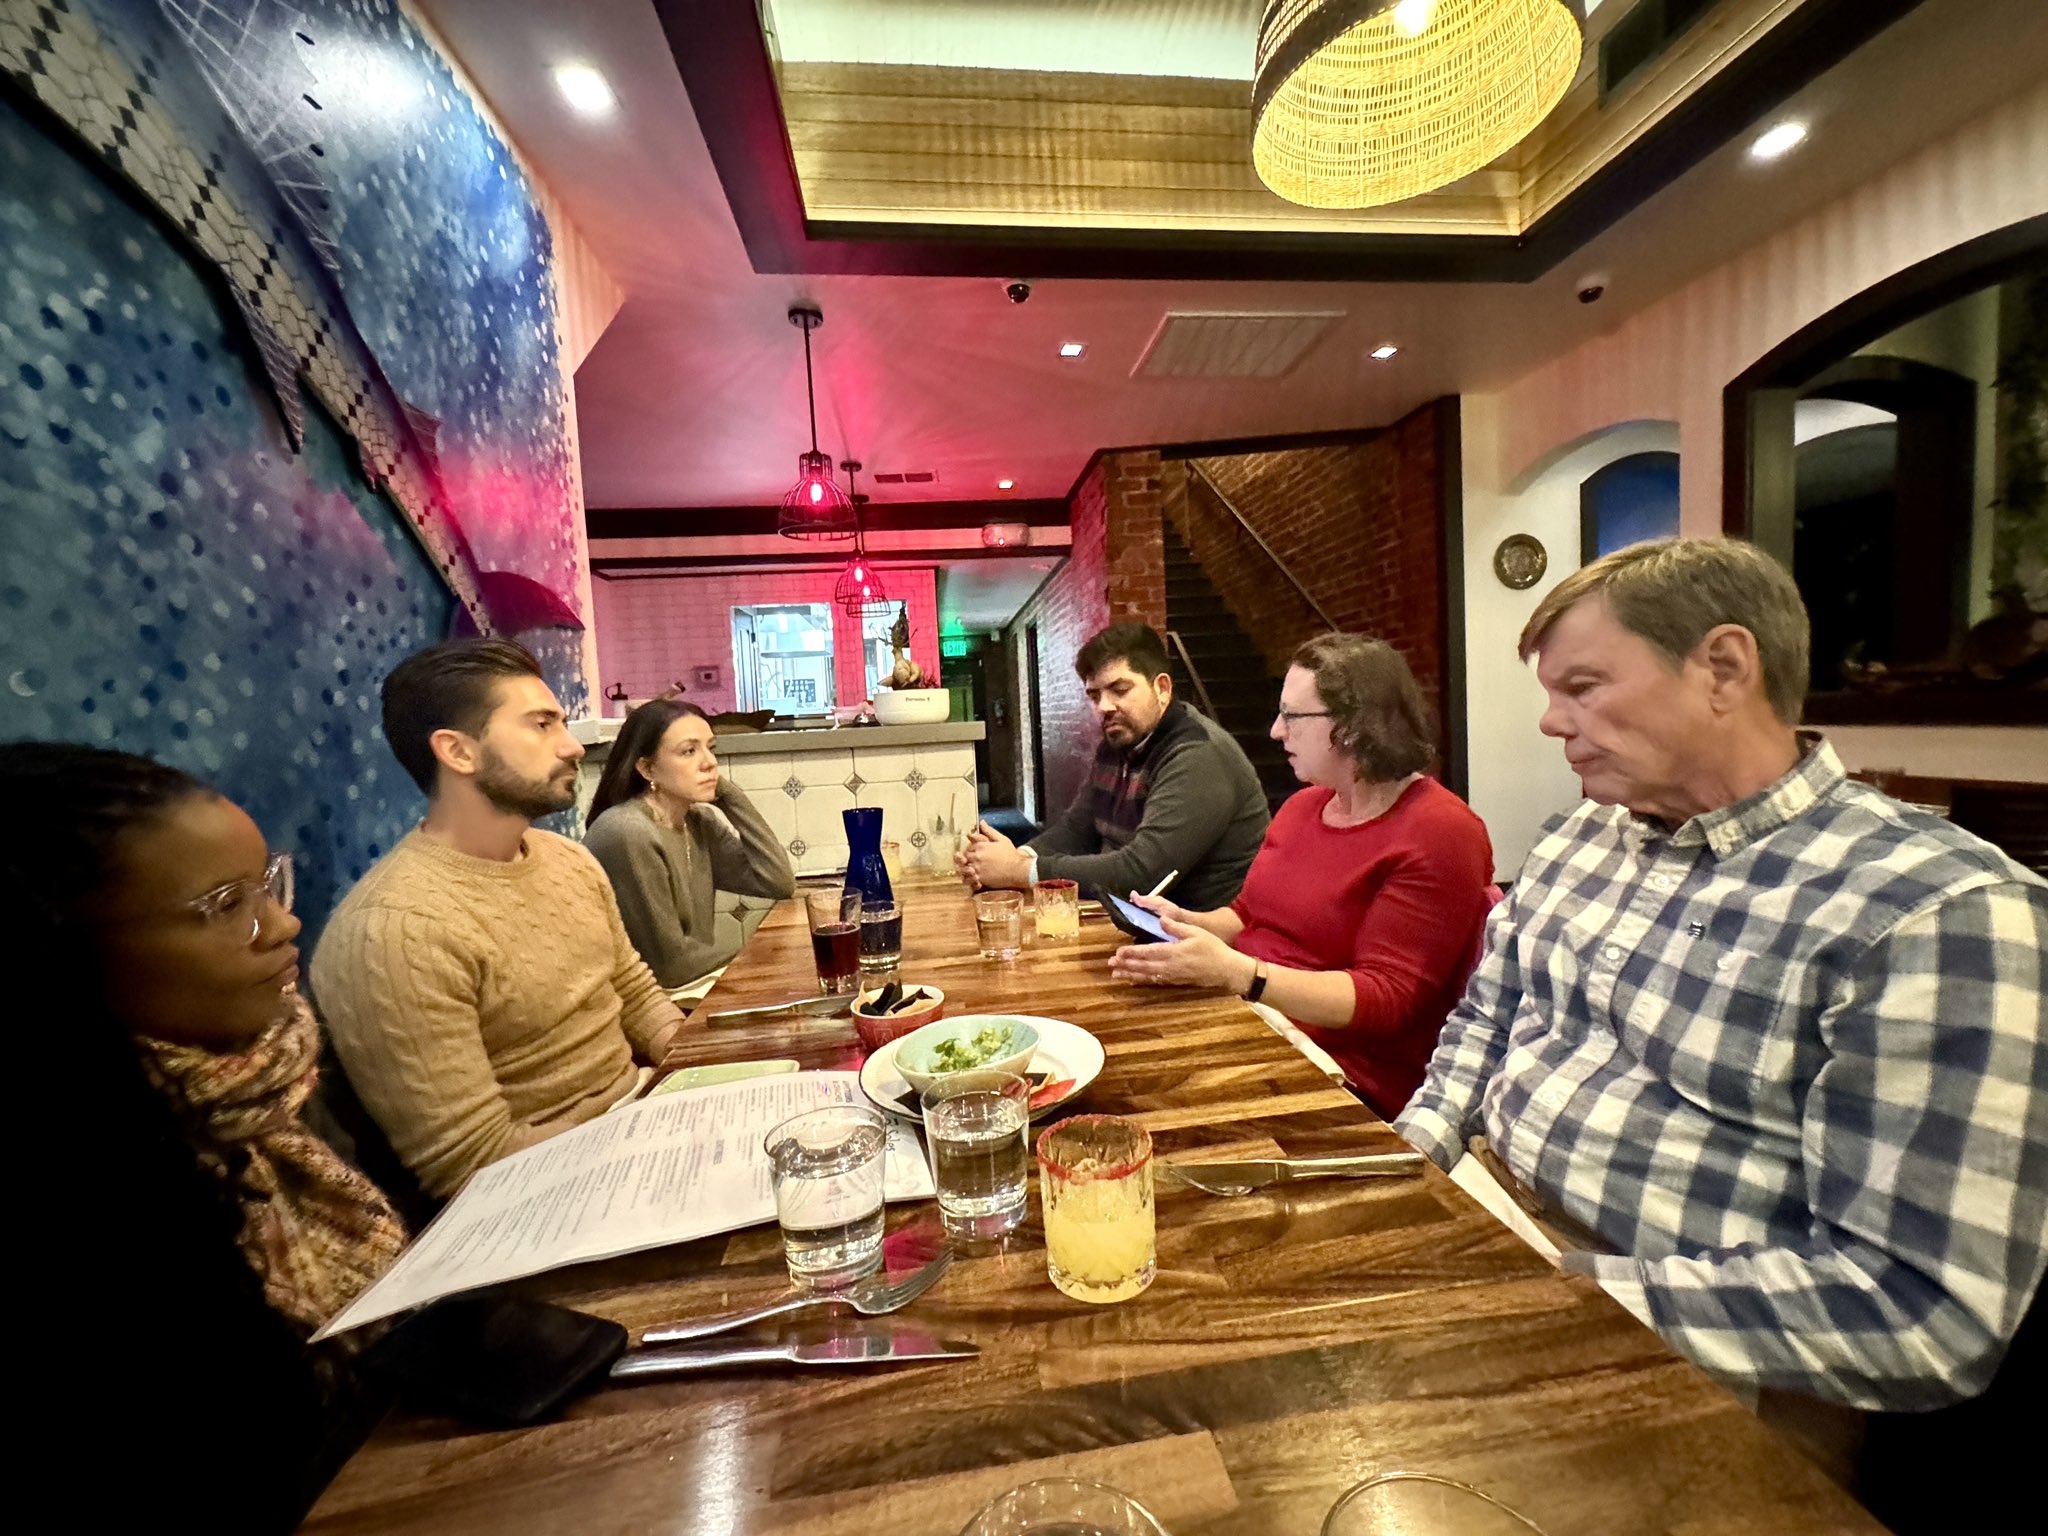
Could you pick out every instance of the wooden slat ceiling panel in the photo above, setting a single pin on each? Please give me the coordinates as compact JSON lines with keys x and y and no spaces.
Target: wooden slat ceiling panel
{"x":954,"y":145}
{"x":1581,"y":135}
{"x":874,"y":142}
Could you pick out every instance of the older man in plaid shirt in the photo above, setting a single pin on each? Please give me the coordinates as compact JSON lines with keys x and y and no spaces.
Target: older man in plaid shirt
{"x":1768,"y":1044}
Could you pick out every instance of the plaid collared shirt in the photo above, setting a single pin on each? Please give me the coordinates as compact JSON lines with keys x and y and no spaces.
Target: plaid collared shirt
{"x":1791,"y":1059}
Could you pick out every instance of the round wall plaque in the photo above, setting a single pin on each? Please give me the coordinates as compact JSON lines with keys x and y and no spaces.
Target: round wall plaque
{"x":1520,"y":561}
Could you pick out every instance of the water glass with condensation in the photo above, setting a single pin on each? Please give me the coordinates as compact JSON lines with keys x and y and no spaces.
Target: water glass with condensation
{"x":999,"y":923}
{"x":978,"y":1126}
{"x":1064,"y":1506}
{"x":1403,"y":1503}
{"x":826,"y":1166}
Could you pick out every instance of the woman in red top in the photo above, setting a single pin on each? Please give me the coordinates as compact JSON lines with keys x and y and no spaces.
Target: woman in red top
{"x":1361,"y":917}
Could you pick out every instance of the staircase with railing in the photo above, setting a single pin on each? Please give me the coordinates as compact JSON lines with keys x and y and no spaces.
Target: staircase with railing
{"x":1216,"y":667}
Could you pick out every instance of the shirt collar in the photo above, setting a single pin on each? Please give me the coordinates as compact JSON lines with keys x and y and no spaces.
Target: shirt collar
{"x":1137,"y":750}
{"x":1779,"y":804}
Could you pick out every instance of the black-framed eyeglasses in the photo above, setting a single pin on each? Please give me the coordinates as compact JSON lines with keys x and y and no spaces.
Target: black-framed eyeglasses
{"x":238,"y":906}
{"x":1287,"y":717}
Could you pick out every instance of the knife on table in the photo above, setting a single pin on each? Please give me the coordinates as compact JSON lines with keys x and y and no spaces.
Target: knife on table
{"x":1257,"y":1173}
{"x":825,"y":1004}
{"x":902,"y":1348}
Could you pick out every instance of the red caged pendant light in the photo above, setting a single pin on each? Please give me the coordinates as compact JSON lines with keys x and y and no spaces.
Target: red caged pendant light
{"x":859,"y":590}
{"x":815,"y":508}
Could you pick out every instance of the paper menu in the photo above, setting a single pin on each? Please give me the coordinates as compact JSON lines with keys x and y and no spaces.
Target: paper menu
{"x":664,"y":1170}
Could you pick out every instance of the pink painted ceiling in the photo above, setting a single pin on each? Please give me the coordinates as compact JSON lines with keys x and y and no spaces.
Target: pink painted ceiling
{"x":694,"y":396}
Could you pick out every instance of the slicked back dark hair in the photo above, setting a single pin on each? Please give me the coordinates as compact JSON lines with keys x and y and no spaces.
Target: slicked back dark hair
{"x":448,"y":687}
{"x":1135,"y":644}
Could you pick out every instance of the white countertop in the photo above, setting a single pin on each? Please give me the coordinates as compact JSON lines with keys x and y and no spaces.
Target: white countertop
{"x":599,"y":733}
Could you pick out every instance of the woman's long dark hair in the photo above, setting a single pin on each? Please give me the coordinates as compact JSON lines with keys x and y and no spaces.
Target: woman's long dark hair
{"x":639,"y":737}
{"x":132,"y":1217}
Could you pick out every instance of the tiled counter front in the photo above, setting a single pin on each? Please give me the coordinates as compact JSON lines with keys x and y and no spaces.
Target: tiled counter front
{"x":922,"y":777}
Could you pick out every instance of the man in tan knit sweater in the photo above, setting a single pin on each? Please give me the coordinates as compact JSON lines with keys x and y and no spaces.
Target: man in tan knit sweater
{"x":478,"y":983}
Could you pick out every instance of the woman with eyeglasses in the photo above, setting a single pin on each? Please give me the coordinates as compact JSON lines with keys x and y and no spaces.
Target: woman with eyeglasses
{"x":1361,"y":918}
{"x":202,"y":1232}
{"x":666,"y":854}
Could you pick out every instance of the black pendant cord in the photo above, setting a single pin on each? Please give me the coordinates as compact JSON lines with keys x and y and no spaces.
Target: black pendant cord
{"x":810,"y":389}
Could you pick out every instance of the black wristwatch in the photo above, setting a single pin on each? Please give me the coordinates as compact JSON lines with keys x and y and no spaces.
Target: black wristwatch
{"x":1257,"y":989}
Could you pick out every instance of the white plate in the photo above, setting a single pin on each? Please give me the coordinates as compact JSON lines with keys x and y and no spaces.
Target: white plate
{"x":1064,"y":1050}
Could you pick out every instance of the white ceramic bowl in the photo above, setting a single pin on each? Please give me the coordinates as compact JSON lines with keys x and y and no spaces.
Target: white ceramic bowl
{"x":913,"y":1051}
{"x":912,"y":706}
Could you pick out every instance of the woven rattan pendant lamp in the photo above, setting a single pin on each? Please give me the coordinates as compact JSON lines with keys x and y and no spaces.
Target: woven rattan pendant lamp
{"x":814,"y":508}
{"x":1358,"y":103}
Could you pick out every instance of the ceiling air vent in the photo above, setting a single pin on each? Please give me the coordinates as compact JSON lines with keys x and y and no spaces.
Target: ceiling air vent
{"x":1641,"y":35}
{"x":905,"y":477}
{"x":1232,"y":345}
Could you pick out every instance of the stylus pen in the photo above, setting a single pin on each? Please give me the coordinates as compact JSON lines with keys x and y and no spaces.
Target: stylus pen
{"x":1167,"y":879}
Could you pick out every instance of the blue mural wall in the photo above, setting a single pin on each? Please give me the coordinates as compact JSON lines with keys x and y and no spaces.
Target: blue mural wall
{"x":177,"y":576}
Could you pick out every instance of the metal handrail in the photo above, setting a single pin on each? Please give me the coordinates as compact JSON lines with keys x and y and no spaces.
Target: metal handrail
{"x":1201,"y":688}
{"x":1280,"y":565}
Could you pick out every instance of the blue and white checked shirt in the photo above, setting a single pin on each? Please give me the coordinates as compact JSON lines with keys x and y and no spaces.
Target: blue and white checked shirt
{"x":1791,"y":1059}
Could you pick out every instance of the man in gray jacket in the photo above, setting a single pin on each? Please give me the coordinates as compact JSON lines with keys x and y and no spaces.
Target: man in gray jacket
{"x":1171,"y":790}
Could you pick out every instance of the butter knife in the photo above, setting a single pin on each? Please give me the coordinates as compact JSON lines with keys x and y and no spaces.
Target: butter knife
{"x":825,"y":1004}
{"x":904,"y":1348}
{"x":1239,"y":1178}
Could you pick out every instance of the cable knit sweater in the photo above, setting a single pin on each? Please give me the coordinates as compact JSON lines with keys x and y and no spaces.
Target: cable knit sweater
{"x":479,"y":1007}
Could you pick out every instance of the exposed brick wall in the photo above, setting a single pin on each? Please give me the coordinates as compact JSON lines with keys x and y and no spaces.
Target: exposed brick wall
{"x":1360,"y":525}
{"x":652,"y":631}
{"x":1115,"y":570}
{"x":1135,"y":558}
{"x":1066,"y":610}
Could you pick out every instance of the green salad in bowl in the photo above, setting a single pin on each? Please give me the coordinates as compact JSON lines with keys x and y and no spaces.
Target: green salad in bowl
{"x":975,"y":1041}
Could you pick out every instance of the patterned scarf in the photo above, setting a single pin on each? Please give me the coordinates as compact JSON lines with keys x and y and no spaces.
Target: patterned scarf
{"x":316,"y":1232}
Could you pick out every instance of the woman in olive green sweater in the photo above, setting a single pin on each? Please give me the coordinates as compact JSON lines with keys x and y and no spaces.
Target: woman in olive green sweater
{"x":653,"y":828}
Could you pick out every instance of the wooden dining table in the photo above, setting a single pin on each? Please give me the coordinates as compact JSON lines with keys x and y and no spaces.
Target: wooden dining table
{"x":1294,"y":1342}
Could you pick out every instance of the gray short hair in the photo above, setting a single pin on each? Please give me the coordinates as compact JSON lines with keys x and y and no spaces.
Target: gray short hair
{"x":1672,"y":591}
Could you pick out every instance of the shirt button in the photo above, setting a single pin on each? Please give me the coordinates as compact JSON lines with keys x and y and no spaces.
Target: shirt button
{"x":1612,"y":952}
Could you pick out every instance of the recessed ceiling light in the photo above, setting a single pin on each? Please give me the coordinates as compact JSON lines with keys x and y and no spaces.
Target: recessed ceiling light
{"x":1381,"y":354}
{"x":1779,"y":141}
{"x":585,"y":89}
{"x":1006,"y":485}
{"x":1072,"y":348}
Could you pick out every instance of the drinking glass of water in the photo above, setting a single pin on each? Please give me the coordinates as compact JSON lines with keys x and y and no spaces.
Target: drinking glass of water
{"x":999,"y":923}
{"x":826,"y":1165}
{"x":881,"y":935}
{"x":1064,"y":1506}
{"x":978,"y":1127}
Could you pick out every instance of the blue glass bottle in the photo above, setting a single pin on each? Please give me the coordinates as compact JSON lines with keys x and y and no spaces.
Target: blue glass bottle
{"x":865,"y":870}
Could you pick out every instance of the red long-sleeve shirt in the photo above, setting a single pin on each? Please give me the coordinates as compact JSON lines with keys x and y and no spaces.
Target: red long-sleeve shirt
{"x":1398,"y":902}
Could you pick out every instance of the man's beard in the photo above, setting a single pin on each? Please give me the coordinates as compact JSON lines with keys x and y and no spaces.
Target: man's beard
{"x":515,"y":796}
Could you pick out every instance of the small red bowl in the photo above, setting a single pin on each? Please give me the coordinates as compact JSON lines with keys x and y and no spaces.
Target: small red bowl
{"x":877,"y":1031}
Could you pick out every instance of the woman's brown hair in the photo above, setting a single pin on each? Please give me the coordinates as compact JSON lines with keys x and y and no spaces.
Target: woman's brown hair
{"x":1377,"y":713}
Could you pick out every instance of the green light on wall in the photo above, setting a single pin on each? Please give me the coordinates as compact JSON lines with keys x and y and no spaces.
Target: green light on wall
{"x":952,"y":645}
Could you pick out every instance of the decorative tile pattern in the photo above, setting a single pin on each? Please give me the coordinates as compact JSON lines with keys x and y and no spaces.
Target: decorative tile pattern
{"x":792,"y":786}
{"x":174,"y":579}
{"x":798,"y":847}
{"x":918,"y":839}
{"x":854,"y":783}
{"x":214,"y":582}
{"x":431,"y":342}
{"x":914,"y":779}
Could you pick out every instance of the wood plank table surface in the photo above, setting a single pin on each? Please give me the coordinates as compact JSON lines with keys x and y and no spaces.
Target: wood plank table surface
{"x":1293,"y":1343}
